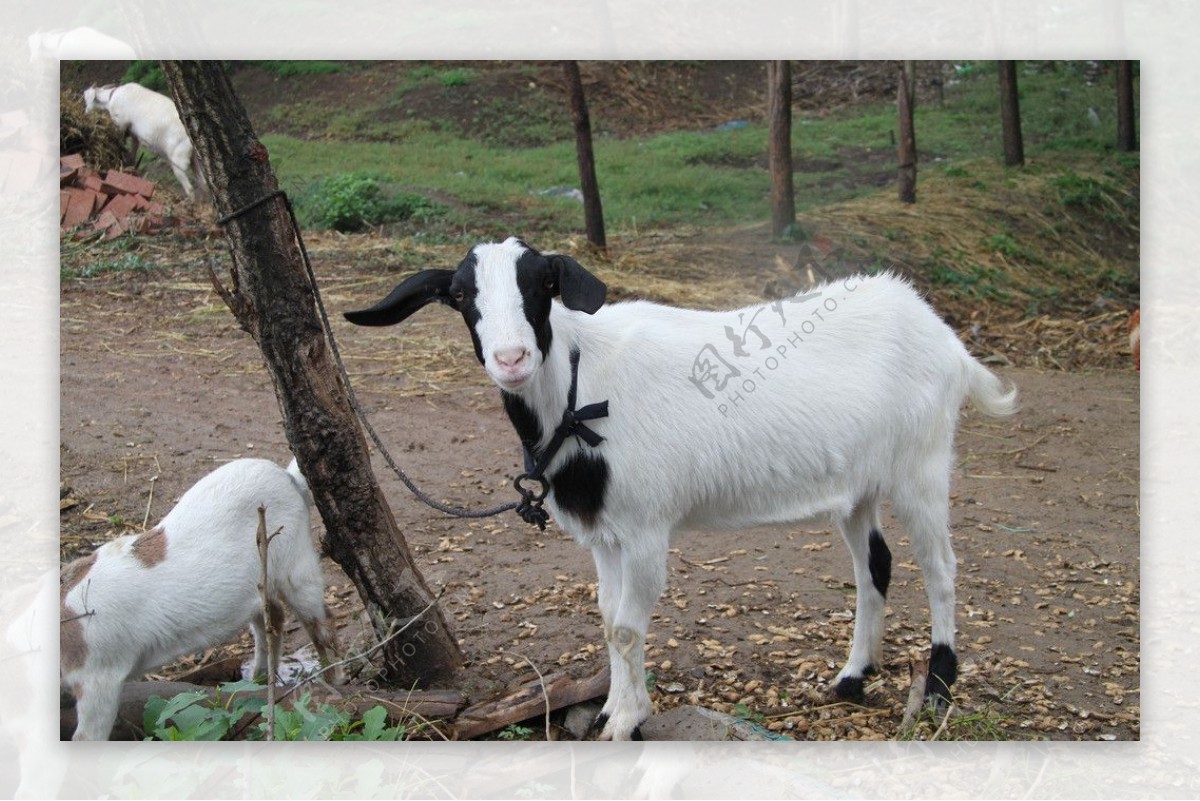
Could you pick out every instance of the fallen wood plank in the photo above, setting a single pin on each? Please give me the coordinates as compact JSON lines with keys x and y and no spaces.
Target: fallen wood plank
{"x":527,"y":701}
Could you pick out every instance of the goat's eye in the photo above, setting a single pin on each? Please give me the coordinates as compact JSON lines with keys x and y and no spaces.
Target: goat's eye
{"x":550,"y":284}
{"x":459,"y":295}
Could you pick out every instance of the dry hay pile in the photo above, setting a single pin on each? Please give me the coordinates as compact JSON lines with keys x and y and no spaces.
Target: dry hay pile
{"x":93,"y":134}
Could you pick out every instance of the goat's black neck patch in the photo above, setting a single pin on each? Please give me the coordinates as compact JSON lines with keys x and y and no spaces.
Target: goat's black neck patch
{"x":526,"y":423}
{"x":579,"y":486}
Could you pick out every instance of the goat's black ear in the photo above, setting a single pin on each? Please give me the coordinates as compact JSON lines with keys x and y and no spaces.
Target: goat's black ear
{"x":414,"y":292}
{"x":579,"y":289}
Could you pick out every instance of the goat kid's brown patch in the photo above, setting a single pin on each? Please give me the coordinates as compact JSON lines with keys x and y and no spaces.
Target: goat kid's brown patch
{"x":150,"y":548}
{"x":73,"y":573}
{"x":72,"y":646}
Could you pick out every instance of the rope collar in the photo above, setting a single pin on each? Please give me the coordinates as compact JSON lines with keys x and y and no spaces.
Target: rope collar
{"x":530,"y":509}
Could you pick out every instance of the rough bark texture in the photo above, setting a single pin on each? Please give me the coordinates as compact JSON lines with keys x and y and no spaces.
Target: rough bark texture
{"x":1126,"y":117}
{"x":273,"y":301}
{"x":592,"y":211}
{"x":779,"y":150}
{"x":907,"y":146}
{"x":1010,"y":115}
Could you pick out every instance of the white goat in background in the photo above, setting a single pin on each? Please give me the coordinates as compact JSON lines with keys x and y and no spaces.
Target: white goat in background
{"x":827,"y":402}
{"x":189,"y":583}
{"x":153,"y":122}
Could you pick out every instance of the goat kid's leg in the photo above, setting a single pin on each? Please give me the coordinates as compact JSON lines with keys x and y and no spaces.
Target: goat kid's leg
{"x":926,"y":518}
{"x":97,"y":702}
{"x":643,"y":579}
{"x":318,"y":621}
{"x":872,"y":574}
{"x":266,"y":643}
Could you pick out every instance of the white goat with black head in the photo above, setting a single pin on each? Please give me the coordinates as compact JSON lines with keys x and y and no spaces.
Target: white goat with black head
{"x":828,"y":402}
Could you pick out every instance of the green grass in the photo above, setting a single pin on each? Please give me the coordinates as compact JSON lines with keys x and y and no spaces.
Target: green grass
{"x":690,"y":178}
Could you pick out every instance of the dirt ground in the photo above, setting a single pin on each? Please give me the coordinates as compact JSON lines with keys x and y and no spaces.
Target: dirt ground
{"x":159,"y":386}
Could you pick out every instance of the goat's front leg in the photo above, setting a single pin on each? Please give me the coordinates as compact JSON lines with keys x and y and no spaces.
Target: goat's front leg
{"x":643,"y":577}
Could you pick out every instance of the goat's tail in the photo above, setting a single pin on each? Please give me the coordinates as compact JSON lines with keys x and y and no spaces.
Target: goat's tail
{"x":293,"y":469}
{"x":988,"y":392}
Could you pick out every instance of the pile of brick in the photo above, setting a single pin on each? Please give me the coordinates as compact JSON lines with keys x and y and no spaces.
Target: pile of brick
{"x":114,"y":202}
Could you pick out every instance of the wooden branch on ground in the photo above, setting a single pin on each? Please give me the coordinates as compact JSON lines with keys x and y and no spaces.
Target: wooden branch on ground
{"x":556,"y":691}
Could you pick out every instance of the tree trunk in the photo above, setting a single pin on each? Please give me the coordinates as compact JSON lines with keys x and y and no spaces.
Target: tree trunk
{"x":1010,"y":115}
{"x":272,"y":300}
{"x":907,"y":148}
{"x":779,"y":153}
{"x":592,"y":212}
{"x":1126,"y":118}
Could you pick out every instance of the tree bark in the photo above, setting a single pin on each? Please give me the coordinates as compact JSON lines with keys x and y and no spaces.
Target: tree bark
{"x":779,"y":152}
{"x":1010,"y":115}
{"x":907,"y":146}
{"x":592,"y":212}
{"x":272,"y":299}
{"x":1126,"y":118}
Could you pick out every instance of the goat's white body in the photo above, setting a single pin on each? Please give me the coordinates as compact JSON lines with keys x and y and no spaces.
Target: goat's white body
{"x":847,"y":410}
{"x":153,"y":121}
{"x":141,"y":604}
{"x":843,"y":397}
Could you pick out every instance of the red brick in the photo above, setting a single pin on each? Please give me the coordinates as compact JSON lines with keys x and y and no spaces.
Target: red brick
{"x":117,"y":228}
{"x":72,"y":162}
{"x":105,"y":219}
{"x":128,"y":184}
{"x":67,"y":175}
{"x":81,"y":205}
{"x":92,"y":182}
{"x":120,"y":206}
{"x":64,"y":200}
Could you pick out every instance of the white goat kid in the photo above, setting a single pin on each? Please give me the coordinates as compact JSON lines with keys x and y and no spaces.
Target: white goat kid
{"x":828,"y":402}
{"x":153,"y":122}
{"x":189,"y":583}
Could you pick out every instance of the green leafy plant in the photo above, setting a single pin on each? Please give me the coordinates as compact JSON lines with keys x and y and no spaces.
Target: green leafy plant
{"x":514,"y":731}
{"x":191,"y":716}
{"x":354,"y":201}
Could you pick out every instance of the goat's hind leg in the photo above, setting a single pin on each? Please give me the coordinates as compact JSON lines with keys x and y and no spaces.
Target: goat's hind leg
{"x":872,"y":574}
{"x":925,"y":514}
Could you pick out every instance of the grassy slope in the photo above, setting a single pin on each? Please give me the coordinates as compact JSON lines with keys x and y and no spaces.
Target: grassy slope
{"x":1054,"y":236}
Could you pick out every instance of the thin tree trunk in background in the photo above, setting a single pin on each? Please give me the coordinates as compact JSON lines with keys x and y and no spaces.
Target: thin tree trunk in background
{"x":907,"y":146}
{"x":592,"y":212}
{"x":272,"y":300}
{"x":1010,"y":115}
{"x":779,"y":152}
{"x":1126,"y":118}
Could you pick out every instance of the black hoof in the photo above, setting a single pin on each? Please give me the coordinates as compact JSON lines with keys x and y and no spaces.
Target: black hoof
{"x":850,"y":689}
{"x":943,"y":670}
{"x":636,"y":734}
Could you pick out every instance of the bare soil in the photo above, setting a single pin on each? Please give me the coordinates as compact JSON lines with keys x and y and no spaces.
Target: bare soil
{"x":159,"y":386}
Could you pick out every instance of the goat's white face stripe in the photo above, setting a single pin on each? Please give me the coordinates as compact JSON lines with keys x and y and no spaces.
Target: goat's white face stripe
{"x":503,"y":330}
